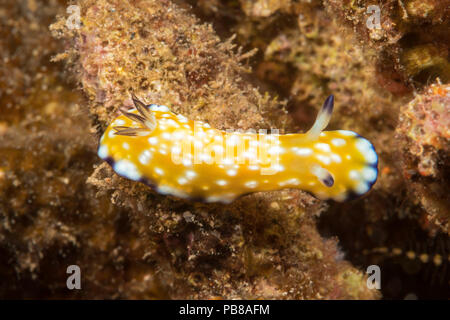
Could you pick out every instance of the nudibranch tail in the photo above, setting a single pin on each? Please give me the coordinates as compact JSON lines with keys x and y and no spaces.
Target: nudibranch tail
{"x":189,"y":159}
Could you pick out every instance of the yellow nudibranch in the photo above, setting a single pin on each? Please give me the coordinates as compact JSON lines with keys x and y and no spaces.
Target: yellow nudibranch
{"x":191,"y":160}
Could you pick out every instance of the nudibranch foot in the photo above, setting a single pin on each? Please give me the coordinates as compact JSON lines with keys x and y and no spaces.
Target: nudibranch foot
{"x":190,"y":160}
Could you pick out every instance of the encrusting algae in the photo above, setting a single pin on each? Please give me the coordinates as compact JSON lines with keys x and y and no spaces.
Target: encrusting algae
{"x":424,"y":131}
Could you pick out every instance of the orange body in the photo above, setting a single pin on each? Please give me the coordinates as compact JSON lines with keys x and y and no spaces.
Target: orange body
{"x":189,"y":159}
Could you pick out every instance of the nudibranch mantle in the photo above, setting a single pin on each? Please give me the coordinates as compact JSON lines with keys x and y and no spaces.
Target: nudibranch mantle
{"x":191,"y":160}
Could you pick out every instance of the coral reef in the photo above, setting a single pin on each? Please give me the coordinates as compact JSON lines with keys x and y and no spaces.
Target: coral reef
{"x":60,"y":205}
{"x":303,"y":58}
{"x":49,"y":217}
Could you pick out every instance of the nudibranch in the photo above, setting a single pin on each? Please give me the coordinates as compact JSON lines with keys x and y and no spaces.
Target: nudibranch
{"x":189,"y":159}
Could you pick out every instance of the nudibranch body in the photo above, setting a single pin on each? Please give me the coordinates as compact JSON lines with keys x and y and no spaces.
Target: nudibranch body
{"x":189,"y":159}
